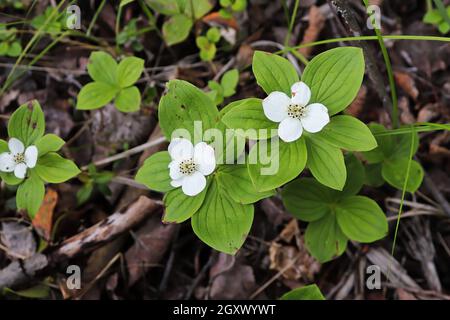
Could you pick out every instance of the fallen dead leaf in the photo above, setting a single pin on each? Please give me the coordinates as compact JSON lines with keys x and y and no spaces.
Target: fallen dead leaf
{"x":357,"y":106}
{"x":407,"y":83}
{"x":316,"y":24}
{"x":215,"y":17}
{"x":43,"y":221}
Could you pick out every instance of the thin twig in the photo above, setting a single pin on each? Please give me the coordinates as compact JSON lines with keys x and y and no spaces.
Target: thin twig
{"x":127,"y":153}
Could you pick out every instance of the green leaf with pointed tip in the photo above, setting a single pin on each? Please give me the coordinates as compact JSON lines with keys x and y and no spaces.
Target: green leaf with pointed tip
{"x":48,"y":143}
{"x":348,"y":133}
{"x":373,"y":175}
{"x":176,"y":29}
{"x":102,"y":68}
{"x":274,"y":73}
{"x":310,"y":292}
{"x":184,"y":104}
{"x":197,"y":8}
{"x":229,"y":82}
{"x":129,"y":71}
{"x":154,"y":173}
{"x":355,"y":176}
{"x":324,"y":239}
{"x":95,"y":95}
{"x":53,"y":168}
{"x":361,"y":219}
{"x":30,"y":194}
{"x":180,"y":207}
{"x":326,"y":163}
{"x":222,"y":223}
{"x":248,"y":119}
{"x":335,"y":77}
{"x":394,"y":172}
{"x":128,"y":100}
{"x":235,"y":181}
{"x":27,"y":123}
{"x":307,"y":199}
{"x":271,"y":167}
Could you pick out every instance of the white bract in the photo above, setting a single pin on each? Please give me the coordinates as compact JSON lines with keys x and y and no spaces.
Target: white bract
{"x":295,"y":114}
{"x":190,"y":165}
{"x":18,"y":160}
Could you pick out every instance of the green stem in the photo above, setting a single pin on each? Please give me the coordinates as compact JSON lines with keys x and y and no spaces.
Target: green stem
{"x":291,"y":23}
{"x":94,"y":19}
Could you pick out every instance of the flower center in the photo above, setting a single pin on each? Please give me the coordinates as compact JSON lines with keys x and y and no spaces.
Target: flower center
{"x":19,"y":158}
{"x":188,"y":167}
{"x":296,"y":111}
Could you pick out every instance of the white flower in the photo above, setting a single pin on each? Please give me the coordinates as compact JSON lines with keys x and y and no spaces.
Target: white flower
{"x":294,"y":114}
{"x":190,"y":165}
{"x":17,"y":160}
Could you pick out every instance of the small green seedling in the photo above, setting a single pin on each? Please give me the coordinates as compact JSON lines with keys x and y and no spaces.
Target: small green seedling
{"x":129,"y":36}
{"x":9,"y":45}
{"x":182,"y":16}
{"x":309,"y":292}
{"x":229,"y":7}
{"x":93,"y":181}
{"x":112,"y":81}
{"x":29,"y":159}
{"x":389,"y":162}
{"x":207,"y":44}
{"x":435,"y":18}
{"x":335,"y":216}
{"x":225,"y":88}
{"x":55,"y":25}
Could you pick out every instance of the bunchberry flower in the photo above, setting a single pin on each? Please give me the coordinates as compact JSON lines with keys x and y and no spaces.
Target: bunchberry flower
{"x":190,"y":165}
{"x":18,"y":159}
{"x":295,"y":114}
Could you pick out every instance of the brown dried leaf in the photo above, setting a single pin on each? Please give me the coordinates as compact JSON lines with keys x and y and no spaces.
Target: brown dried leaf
{"x":357,"y":106}
{"x":43,"y":221}
{"x":407,"y":83}
{"x":316,"y":24}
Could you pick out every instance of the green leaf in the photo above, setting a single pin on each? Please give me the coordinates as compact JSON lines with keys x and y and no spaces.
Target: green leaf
{"x":444,"y":27}
{"x":176,"y":29}
{"x":271,"y":168}
{"x":385,"y":144}
{"x":30,"y":195}
{"x":348,"y":133}
{"x":84,"y":193}
{"x":40,"y":291}
{"x":209,"y":52}
{"x":48,"y":143}
{"x":373,"y":175}
{"x":53,"y":168}
{"x":394,"y":172}
{"x":307,"y":199}
{"x":310,"y":292}
{"x":15,"y":49}
{"x":95,"y":95}
{"x":229,"y":82}
{"x":235,"y":181}
{"x":129,"y":71}
{"x":3,"y":146}
{"x":401,"y":146}
{"x":324,"y":239}
{"x":125,"y":2}
{"x":197,"y":8}
{"x":213,"y":35}
{"x":165,"y":7}
{"x":4,"y":48}
{"x":154,"y":173}
{"x":361,"y":219}
{"x":335,"y":77}
{"x":102,"y":68}
{"x":222,"y":223}
{"x":182,"y":105}
{"x":432,"y":17}
{"x":128,"y":100}
{"x":248,"y":119}
{"x":27,"y":123}
{"x":274,"y":73}
{"x":326,"y":163}
{"x":355,"y":176}
{"x":180,"y":207}
{"x":202,"y":42}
